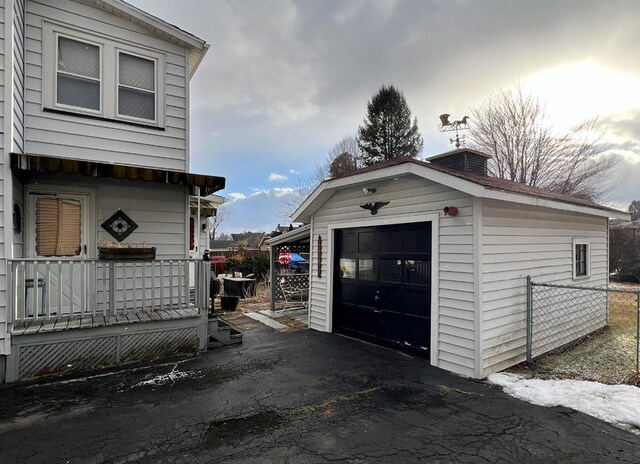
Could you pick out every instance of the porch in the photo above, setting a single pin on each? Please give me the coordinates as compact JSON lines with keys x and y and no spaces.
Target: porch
{"x":79,"y":314}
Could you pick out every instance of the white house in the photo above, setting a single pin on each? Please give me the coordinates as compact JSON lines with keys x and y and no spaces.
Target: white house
{"x":95,"y":152}
{"x":432,"y":257}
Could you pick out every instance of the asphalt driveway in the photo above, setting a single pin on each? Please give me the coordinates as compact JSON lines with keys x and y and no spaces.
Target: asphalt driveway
{"x":293,"y":397}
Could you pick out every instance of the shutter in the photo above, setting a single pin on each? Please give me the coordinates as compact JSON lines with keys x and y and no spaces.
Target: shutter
{"x":58,"y":227}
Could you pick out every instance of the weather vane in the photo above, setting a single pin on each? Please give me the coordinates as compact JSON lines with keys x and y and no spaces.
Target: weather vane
{"x":447,"y":126}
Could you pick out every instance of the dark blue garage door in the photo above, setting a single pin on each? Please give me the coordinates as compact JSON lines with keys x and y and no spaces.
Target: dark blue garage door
{"x":383,"y":285}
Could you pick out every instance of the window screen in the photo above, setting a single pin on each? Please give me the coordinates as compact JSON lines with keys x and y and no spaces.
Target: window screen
{"x":581,"y":260}
{"x":58,"y":227}
{"x":78,"y":74}
{"x":136,"y":87}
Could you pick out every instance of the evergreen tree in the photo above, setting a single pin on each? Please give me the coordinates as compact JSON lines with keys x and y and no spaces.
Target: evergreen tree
{"x":388,"y":131}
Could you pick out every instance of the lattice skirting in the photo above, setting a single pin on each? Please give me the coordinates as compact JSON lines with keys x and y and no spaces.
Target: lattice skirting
{"x":46,"y":357}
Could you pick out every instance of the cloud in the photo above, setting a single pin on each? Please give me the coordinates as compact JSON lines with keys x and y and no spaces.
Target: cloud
{"x":293,"y":172}
{"x":235,"y":196}
{"x":281,"y":192}
{"x":275,"y":177}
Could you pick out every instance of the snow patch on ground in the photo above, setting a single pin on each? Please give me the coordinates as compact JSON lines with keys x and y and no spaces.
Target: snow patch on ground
{"x":163,"y":379}
{"x":617,"y":404}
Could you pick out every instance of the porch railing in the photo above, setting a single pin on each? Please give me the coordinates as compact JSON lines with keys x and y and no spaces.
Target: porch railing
{"x":46,"y":289}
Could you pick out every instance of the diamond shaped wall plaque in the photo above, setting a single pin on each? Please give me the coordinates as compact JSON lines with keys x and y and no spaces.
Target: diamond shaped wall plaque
{"x":120,"y":226}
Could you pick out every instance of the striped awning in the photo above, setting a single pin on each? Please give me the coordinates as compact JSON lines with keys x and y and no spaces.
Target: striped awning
{"x":25,"y":163}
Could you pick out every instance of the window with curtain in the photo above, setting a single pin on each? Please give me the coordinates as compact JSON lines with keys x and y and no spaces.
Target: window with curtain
{"x":78,"y":74}
{"x":136,"y":87}
{"x":58,"y":227}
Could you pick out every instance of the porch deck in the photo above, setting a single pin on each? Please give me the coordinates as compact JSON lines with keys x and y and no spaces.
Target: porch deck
{"x":89,"y":321}
{"x":74,"y":315}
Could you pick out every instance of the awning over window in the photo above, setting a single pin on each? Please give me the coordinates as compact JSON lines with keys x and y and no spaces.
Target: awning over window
{"x":23,"y":164}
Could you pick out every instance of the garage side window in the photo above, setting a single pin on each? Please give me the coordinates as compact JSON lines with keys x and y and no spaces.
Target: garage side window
{"x":581,"y":259}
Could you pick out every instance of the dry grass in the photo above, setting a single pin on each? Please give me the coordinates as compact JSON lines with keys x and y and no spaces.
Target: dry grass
{"x":608,"y":356}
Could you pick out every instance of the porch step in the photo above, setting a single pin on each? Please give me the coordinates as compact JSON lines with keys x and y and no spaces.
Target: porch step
{"x":222,"y":334}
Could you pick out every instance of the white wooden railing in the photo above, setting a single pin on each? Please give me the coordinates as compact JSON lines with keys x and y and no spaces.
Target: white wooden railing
{"x":49,"y":289}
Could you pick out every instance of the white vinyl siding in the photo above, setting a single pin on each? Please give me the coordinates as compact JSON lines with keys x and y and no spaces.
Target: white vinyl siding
{"x":159,"y":211}
{"x":520,"y":240}
{"x":69,"y":136}
{"x":4,"y":340}
{"x":407,"y":196}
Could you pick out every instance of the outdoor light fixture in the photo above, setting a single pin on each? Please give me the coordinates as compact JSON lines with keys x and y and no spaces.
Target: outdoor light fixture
{"x":374,"y":207}
{"x":450,"y":211}
{"x":367,"y":190}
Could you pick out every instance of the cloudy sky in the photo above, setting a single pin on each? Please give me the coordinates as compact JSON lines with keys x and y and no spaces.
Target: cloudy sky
{"x":285,"y":80}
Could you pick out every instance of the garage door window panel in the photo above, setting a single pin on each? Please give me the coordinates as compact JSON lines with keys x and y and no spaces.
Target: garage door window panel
{"x":417,"y":272}
{"x":367,"y":269}
{"x":391,"y":270}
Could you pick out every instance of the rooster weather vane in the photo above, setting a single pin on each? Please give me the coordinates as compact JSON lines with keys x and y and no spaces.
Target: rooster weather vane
{"x":448,"y":126}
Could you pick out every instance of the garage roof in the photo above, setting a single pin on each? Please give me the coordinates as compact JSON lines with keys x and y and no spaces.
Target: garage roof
{"x":472,"y":184}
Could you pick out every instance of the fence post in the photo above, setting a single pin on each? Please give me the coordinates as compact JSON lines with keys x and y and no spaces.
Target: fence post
{"x":529,"y":317}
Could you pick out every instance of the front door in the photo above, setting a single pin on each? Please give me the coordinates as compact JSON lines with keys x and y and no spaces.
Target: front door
{"x":58,"y":231}
{"x":382,"y":281}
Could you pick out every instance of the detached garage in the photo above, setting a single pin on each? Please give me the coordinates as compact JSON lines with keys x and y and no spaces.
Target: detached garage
{"x":431,"y":257}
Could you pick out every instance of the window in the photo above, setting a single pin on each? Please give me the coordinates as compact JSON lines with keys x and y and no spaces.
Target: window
{"x":581,"y":260}
{"x":136,"y":87}
{"x":78,"y":74}
{"x":58,"y":227}
{"x":101,"y":76}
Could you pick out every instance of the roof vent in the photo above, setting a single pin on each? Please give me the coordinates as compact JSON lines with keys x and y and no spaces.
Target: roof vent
{"x":463,"y":159}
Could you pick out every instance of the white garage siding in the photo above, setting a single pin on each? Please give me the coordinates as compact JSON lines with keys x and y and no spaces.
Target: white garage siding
{"x":520,"y":240}
{"x":412,"y":196}
{"x":69,"y":136}
{"x":4,"y":340}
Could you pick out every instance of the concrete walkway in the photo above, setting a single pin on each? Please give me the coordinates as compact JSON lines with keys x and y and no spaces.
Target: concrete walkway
{"x":299,"y":397}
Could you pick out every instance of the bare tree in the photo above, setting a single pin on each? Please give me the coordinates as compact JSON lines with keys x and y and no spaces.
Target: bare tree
{"x":348,"y":144}
{"x":624,"y":251}
{"x":512,"y":126}
{"x":290,"y":203}
{"x":323,"y":171}
{"x":222,"y":214}
{"x":342,"y":165}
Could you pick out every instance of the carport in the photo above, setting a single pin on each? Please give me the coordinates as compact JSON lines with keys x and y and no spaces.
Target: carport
{"x":289,"y":281}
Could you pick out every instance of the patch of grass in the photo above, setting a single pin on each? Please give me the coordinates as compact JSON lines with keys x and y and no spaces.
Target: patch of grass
{"x":608,"y":355}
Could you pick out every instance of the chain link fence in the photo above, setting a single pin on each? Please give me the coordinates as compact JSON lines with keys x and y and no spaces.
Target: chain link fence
{"x":583,"y":332}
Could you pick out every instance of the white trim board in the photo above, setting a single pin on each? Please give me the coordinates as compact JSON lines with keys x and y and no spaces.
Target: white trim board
{"x":435,"y":264}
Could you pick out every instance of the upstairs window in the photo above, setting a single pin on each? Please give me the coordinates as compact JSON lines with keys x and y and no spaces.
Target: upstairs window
{"x":105,"y":77}
{"x":581,"y":259}
{"x":78,"y":74}
{"x":136,"y":87}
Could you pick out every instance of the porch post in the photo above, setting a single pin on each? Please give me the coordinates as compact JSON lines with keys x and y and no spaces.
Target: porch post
{"x":112,"y":288}
{"x":272,"y":277}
